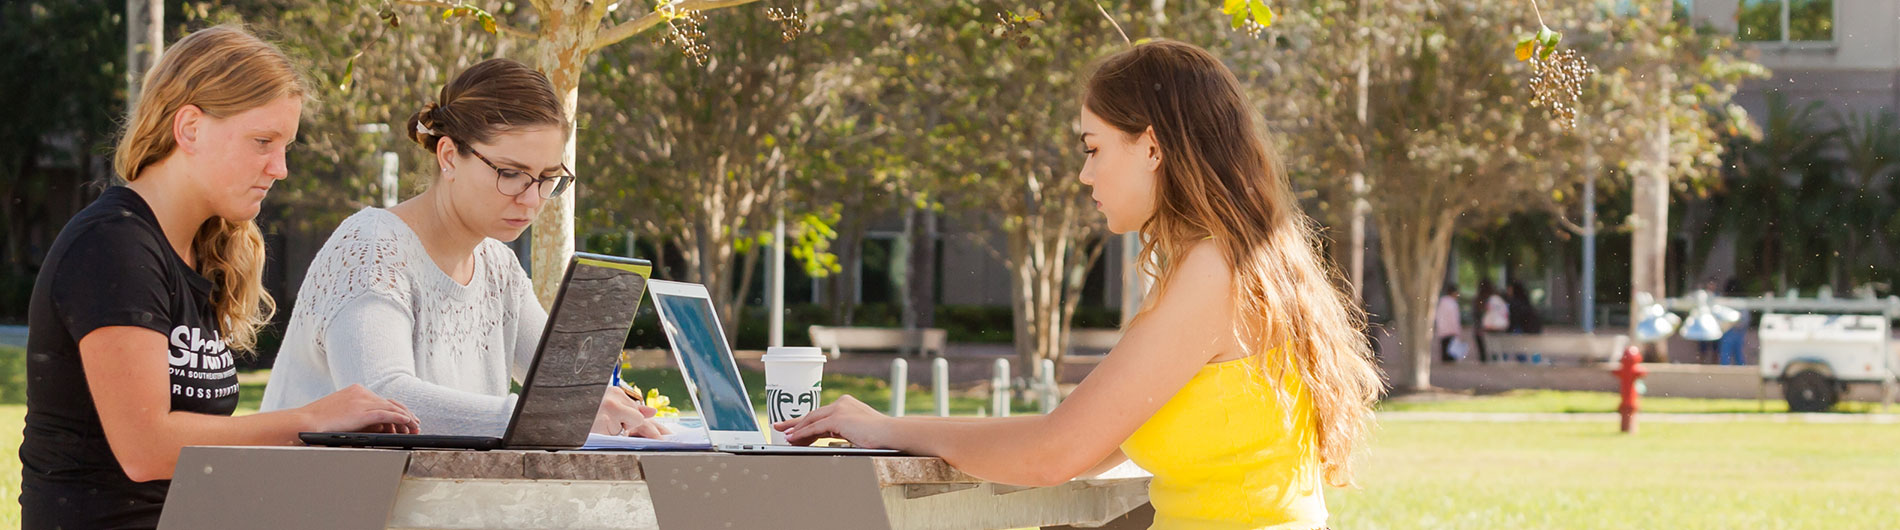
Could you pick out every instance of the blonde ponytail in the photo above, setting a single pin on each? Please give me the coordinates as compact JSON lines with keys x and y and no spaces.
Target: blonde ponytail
{"x":231,"y":255}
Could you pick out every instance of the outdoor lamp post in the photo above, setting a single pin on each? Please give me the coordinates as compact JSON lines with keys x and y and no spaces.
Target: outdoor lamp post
{"x":1654,"y":322}
{"x":1702,"y":325}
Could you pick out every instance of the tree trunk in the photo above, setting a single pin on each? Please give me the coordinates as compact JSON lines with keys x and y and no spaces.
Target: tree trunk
{"x":1084,"y":257}
{"x":568,"y":29}
{"x":1021,"y":295}
{"x":843,"y":287}
{"x":1356,"y":254}
{"x":15,"y":211}
{"x":748,"y":263}
{"x":1134,"y":283}
{"x":900,"y":269}
{"x":1850,"y":261}
{"x":1048,"y":260}
{"x":1649,"y":239}
{"x":1414,"y":250}
{"x":922,"y":287}
{"x":144,"y":40}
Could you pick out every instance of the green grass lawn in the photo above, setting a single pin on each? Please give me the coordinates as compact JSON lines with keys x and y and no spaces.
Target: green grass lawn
{"x":12,"y":420}
{"x":1567,"y":401}
{"x":1586,"y":476}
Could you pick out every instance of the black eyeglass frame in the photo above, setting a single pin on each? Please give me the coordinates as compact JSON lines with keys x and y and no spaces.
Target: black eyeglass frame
{"x":561,"y":182}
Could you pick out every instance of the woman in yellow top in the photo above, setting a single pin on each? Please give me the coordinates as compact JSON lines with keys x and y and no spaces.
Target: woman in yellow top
{"x":1243,"y":383}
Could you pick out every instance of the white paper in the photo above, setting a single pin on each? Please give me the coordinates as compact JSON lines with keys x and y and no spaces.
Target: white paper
{"x":688,"y":434}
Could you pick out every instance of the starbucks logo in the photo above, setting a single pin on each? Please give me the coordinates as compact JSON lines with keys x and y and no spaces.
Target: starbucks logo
{"x":782,"y":405}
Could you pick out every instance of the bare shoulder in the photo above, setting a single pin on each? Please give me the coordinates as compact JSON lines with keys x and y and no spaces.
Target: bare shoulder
{"x":1204,"y":270}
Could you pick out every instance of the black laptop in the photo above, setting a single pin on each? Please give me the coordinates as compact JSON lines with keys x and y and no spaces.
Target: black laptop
{"x":585,"y":332}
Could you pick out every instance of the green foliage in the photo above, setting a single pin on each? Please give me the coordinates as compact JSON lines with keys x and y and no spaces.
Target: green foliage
{"x":1248,"y":12}
{"x":693,"y":156}
{"x":65,"y":64}
{"x":370,"y":72}
{"x":1543,"y":43}
{"x":467,"y":10}
{"x":1804,"y":217}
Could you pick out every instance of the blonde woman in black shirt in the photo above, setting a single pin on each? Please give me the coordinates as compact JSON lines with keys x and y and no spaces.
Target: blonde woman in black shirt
{"x":147,"y":292}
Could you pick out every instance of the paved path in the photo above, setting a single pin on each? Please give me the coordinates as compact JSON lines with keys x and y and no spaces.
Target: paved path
{"x":13,"y":336}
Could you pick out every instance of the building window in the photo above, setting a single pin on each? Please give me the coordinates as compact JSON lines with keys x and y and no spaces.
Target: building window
{"x":1786,"y":21}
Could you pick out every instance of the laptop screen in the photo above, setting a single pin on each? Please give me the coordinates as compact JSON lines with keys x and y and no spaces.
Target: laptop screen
{"x":694,"y":331}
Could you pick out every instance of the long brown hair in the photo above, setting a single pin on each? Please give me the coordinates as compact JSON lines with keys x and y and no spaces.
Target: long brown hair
{"x":1220,"y":178}
{"x":223,"y":70}
{"x":493,"y":96}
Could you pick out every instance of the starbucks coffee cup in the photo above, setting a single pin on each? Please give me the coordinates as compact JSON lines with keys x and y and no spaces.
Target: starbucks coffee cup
{"x":791,"y":383}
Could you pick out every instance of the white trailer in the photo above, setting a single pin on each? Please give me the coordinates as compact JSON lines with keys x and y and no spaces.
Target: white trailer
{"x":1815,"y":356}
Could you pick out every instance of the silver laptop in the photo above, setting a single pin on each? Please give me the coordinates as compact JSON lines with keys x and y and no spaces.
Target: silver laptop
{"x":585,"y":332}
{"x":712,"y":377}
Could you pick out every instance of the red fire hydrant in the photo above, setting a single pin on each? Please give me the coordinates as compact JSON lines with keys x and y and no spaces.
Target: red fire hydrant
{"x":1631,"y":371}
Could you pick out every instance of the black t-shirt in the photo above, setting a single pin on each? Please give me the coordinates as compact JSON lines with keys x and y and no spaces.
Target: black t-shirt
{"x":110,"y":266}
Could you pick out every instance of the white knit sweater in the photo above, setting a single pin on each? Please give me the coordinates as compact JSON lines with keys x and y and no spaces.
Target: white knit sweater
{"x":376,"y":310}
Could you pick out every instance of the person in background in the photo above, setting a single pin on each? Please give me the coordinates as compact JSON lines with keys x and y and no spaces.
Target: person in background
{"x":1707,"y":352}
{"x":1524,"y":317}
{"x":1492,"y":314}
{"x":1732,"y":341}
{"x":1446,"y":325}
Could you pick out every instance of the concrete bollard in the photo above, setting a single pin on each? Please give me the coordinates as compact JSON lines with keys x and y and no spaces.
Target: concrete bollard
{"x":940,"y":384}
{"x":999,"y":389}
{"x":900,"y":385}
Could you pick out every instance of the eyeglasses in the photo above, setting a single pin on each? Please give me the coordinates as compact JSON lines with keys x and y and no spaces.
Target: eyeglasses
{"x":514,"y":182}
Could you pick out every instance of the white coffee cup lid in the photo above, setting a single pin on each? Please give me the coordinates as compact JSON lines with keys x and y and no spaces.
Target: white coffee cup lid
{"x":793,"y":354}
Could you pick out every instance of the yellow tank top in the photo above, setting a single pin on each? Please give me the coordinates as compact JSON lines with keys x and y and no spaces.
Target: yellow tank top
{"x":1226,"y":456}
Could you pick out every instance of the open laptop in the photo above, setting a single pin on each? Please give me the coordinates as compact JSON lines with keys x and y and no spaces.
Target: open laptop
{"x":585,"y":332}
{"x":712,"y":377}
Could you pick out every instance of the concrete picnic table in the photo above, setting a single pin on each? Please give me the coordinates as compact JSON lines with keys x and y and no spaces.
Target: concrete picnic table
{"x":334,"y":488}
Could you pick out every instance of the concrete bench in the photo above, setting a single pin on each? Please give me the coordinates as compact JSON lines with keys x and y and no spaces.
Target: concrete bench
{"x":837,"y":339}
{"x":1557,"y":348}
{"x":1085,"y":341}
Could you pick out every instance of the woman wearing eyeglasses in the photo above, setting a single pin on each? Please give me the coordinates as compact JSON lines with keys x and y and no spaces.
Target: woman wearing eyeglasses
{"x":422,"y":302}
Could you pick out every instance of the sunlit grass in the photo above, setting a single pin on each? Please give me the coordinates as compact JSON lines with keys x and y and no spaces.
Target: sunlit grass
{"x":1587,"y":476}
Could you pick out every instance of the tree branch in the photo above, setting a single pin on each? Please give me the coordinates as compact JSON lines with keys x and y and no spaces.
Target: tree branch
{"x":1563,"y":221}
{"x":500,"y":27}
{"x":633,"y":27}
